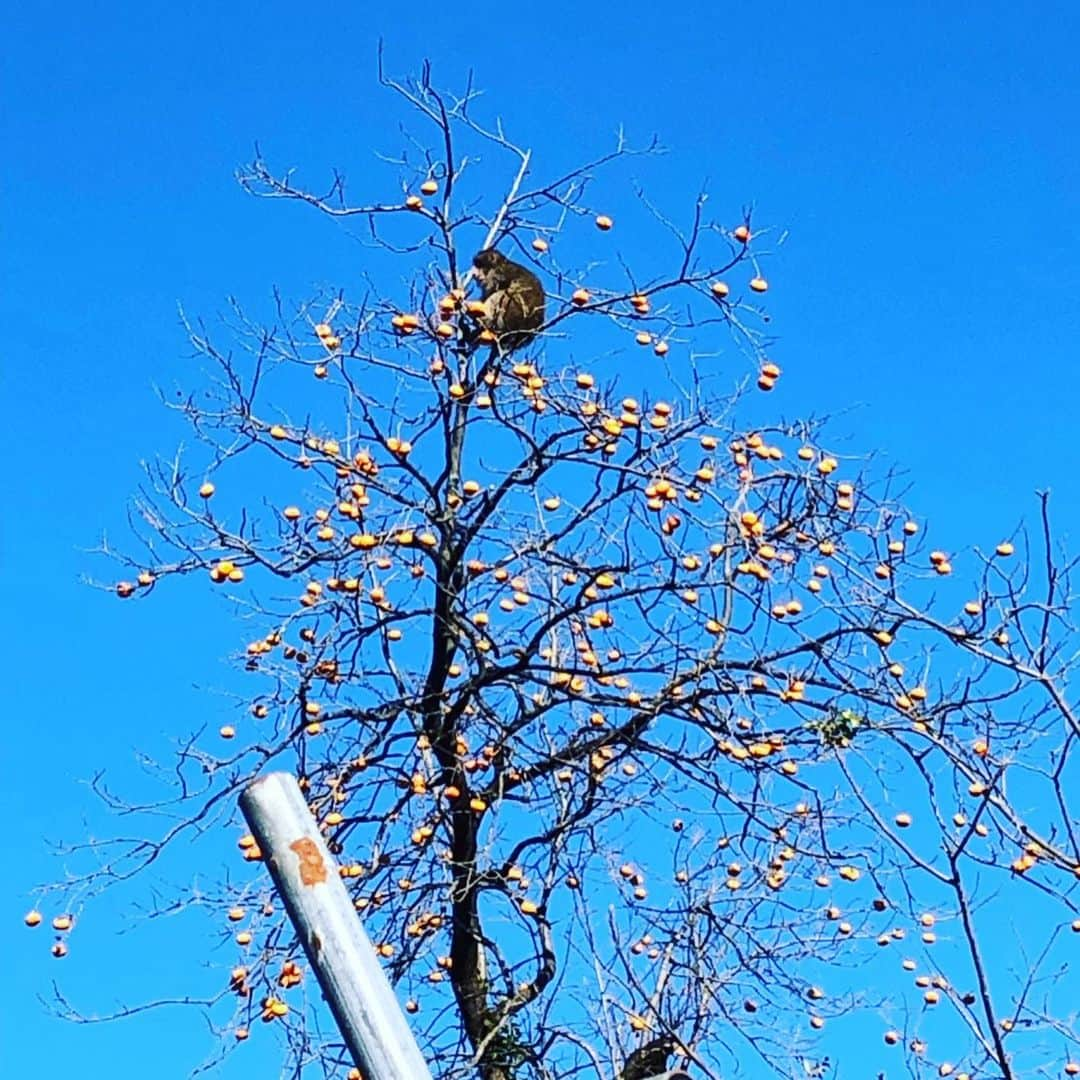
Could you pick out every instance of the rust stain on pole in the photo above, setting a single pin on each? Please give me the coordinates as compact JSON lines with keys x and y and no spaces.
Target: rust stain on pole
{"x":312,"y":867}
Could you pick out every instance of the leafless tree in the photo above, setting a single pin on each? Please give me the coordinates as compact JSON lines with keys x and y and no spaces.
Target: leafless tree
{"x":643,"y":736}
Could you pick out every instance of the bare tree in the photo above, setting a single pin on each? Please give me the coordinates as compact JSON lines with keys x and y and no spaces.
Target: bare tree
{"x":644,"y":737}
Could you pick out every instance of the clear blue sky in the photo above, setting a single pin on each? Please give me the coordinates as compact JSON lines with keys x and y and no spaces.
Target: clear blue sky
{"x":923,"y":157}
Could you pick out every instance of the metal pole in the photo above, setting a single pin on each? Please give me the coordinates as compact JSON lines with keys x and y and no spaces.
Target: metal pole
{"x":339,"y":951}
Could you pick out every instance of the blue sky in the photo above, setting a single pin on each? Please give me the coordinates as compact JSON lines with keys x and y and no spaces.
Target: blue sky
{"x":923,"y":160}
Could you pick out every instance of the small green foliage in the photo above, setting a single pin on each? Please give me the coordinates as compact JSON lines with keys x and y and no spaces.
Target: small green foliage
{"x":507,"y":1050}
{"x":838,"y":729}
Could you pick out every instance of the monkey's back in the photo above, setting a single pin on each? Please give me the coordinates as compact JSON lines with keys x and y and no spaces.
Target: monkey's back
{"x":517,"y":308}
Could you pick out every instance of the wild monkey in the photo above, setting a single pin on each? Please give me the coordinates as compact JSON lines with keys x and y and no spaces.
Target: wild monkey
{"x":649,"y":1060}
{"x":513,"y":299}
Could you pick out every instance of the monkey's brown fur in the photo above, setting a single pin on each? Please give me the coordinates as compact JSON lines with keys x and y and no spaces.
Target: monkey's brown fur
{"x":513,"y":297}
{"x":649,"y":1060}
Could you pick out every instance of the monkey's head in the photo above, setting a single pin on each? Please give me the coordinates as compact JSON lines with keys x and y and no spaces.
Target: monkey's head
{"x":489,"y":259}
{"x":491,"y":268}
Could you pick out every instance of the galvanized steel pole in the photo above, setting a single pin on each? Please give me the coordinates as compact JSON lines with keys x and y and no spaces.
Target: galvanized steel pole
{"x":340,"y":952}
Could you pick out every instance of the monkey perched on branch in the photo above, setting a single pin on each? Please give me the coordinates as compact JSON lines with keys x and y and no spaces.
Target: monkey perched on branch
{"x":649,"y":1060}
{"x":513,"y":299}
